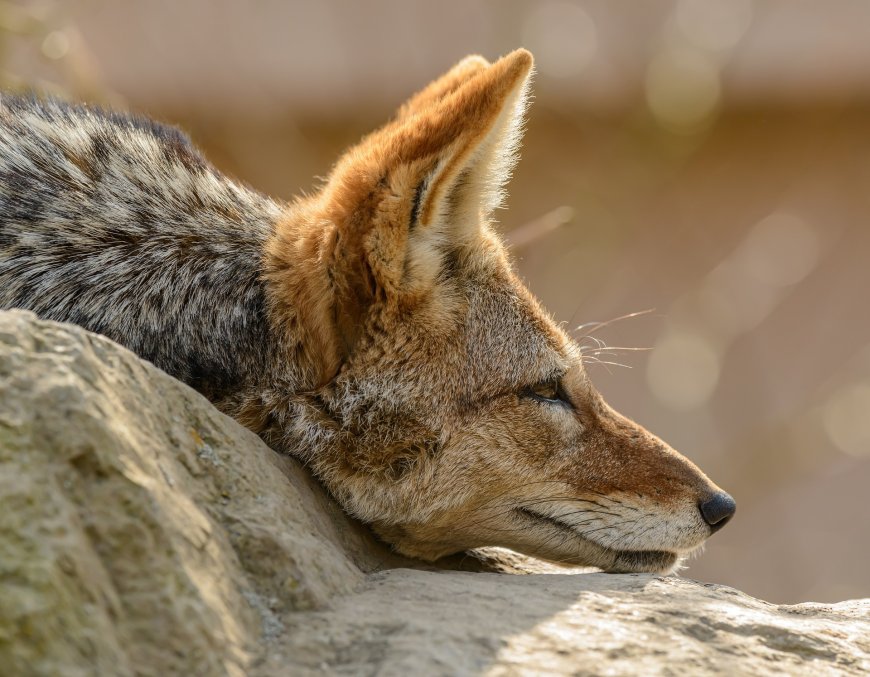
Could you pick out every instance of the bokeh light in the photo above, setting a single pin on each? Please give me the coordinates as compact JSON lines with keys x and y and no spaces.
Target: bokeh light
{"x":847,"y":419}
{"x":683,"y":370}
{"x":683,"y":89}
{"x":716,"y":25}
{"x":734,"y":298}
{"x":781,"y":250}
{"x":55,"y":45}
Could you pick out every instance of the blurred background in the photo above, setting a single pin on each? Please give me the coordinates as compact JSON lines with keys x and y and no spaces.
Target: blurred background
{"x":706,"y":160}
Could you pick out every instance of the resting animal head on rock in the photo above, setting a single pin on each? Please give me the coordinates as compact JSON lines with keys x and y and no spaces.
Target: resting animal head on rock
{"x":374,"y":329}
{"x":447,"y":408}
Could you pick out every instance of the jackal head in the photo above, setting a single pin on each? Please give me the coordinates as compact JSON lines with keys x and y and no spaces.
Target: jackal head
{"x":450,"y":411}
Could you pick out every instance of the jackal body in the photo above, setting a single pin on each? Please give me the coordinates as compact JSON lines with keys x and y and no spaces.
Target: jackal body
{"x":375,"y":330}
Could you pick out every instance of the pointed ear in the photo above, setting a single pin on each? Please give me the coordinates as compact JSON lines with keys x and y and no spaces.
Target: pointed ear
{"x":479,"y":126}
{"x":446,"y":84}
{"x":422,"y":185}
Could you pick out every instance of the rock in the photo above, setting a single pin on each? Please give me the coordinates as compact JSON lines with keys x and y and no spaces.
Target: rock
{"x":403,"y":622}
{"x":143,"y":532}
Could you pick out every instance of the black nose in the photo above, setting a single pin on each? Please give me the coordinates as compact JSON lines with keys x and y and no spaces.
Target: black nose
{"x":717,"y":510}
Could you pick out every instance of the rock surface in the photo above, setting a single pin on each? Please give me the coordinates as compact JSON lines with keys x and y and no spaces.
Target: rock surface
{"x":404,"y":622}
{"x":143,"y":532}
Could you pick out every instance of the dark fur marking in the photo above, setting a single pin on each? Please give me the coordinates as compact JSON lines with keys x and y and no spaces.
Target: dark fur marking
{"x":418,"y":200}
{"x":84,"y":163}
{"x":450,"y":265}
{"x":100,"y":149}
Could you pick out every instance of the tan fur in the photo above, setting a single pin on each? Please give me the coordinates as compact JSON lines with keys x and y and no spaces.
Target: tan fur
{"x":422,"y":345}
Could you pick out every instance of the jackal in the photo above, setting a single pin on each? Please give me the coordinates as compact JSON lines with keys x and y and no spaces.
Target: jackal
{"x":375,"y":330}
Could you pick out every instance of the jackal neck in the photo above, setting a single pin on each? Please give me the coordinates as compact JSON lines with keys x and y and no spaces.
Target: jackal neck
{"x":301,"y":295}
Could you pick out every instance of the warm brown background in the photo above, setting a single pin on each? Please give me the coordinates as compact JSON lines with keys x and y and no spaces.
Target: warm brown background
{"x":707,"y":159}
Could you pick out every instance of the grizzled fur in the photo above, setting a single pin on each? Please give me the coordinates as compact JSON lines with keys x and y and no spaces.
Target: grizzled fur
{"x":375,"y":329}
{"x":118,"y":224}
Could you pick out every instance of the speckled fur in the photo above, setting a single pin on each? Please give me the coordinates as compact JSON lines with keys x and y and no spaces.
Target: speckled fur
{"x":375,"y":330}
{"x":119,"y":225}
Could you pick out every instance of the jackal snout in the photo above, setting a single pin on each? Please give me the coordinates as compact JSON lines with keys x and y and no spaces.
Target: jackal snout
{"x":654,"y":468}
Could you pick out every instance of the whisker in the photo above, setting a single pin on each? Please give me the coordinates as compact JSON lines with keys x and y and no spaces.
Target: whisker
{"x":517,"y":487}
{"x":517,"y":506}
{"x":595,"y":360}
{"x":638,"y":535}
{"x":606,"y":349}
{"x":510,"y":506}
{"x":607,"y":526}
{"x":595,"y":326}
{"x":596,"y":512}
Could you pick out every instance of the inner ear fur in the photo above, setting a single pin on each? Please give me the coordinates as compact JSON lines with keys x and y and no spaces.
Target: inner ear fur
{"x":428,"y":177}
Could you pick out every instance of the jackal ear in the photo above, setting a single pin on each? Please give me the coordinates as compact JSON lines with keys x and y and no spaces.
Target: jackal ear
{"x":426,"y":182}
{"x":443,"y":86}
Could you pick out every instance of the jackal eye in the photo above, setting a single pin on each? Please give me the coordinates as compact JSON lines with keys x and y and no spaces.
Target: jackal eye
{"x":548,"y":391}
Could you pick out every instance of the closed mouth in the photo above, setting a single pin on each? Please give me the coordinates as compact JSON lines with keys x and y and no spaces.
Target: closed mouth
{"x":624,"y":561}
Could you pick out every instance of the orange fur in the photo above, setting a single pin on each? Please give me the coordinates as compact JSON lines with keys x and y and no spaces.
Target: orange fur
{"x":444,"y":85}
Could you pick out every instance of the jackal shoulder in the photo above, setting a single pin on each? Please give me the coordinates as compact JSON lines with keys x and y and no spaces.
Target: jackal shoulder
{"x":117,"y":223}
